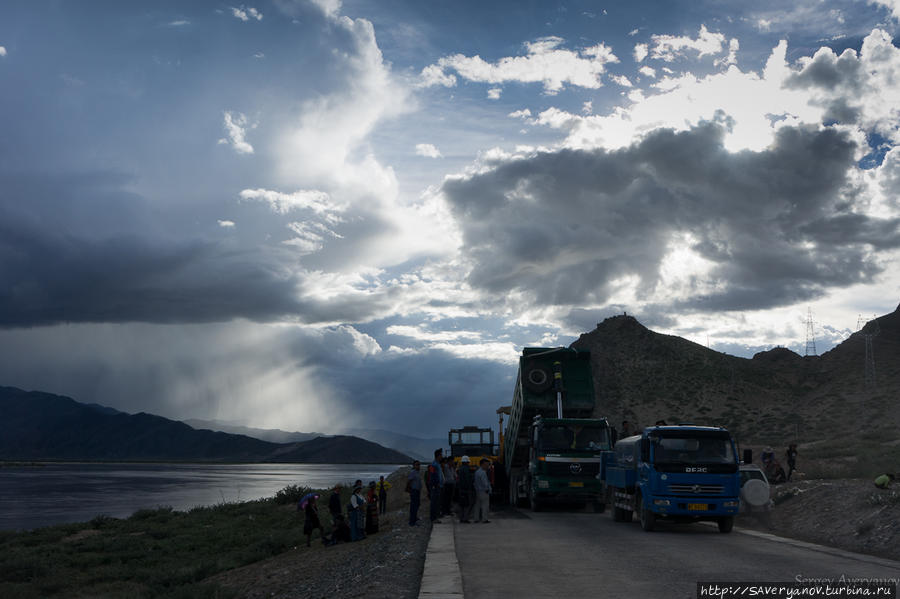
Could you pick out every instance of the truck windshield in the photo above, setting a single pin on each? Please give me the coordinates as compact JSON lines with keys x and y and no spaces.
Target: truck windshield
{"x":693,"y":450}
{"x":563,"y":437}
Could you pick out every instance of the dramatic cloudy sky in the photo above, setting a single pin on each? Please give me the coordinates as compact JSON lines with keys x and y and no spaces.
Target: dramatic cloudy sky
{"x":319,"y":214}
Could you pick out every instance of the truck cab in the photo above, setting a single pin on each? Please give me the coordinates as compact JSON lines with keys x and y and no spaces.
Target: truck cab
{"x":566,"y":456}
{"x":682,"y":473}
{"x":471,"y":441}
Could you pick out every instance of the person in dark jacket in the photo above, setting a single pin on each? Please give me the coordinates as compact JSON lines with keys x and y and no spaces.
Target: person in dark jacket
{"x":791,"y":456}
{"x":372,"y":509}
{"x":383,"y":486}
{"x":414,"y":488}
{"x":312,"y":522}
{"x":334,"y":503}
{"x":466,"y":488}
{"x":435,"y":481}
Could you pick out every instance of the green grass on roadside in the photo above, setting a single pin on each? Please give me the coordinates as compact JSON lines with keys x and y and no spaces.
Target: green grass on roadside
{"x":154,"y":553}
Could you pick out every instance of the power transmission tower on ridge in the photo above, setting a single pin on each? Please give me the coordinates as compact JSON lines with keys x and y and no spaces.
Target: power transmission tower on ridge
{"x":810,"y":334}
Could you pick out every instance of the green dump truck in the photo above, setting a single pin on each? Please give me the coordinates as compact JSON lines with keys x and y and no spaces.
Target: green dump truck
{"x":552,"y":448}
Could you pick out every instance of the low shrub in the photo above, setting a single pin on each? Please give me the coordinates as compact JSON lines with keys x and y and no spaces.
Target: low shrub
{"x":291,"y":494}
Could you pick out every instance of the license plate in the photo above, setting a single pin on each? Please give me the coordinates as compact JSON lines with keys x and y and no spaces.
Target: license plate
{"x":697,"y":507}
{"x":576,"y":484}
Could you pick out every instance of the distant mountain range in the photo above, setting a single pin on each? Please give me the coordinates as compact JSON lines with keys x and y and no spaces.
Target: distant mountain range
{"x":43,"y":426}
{"x":643,"y":376}
{"x":418,"y":448}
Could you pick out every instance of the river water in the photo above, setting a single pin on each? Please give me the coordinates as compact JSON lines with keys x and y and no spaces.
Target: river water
{"x":41,"y":495}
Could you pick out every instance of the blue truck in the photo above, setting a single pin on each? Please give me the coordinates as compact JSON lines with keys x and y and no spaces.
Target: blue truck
{"x":683,"y":473}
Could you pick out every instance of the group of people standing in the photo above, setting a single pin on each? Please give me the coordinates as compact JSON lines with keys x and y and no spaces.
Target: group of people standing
{"x":446,"y":484}
{"x":363,"y":510}
{"x":774,"y":470}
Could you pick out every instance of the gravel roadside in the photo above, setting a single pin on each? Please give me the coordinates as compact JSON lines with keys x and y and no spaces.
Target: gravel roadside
{"x":387,"y":564}
{"x":848,"y":514}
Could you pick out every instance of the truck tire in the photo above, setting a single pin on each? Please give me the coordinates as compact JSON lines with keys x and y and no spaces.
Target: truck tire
{"x":599,"y":507}
{"x":648,"y":518}
{"x":627,"y":515}
{"x":618,"y":514}
{"x":726,"y":524}
{"x":536,"y":505}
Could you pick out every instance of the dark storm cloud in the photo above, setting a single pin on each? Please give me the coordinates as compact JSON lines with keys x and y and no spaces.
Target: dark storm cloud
{"x":266,"y":375}
{"x":49,"y":280}
{"x":562,"y":226}
{"x":829,"y":71}
{"x":79,"y":248}
{"x":399,"y":391}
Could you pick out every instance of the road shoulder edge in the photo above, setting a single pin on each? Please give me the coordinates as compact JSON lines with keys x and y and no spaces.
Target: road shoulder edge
{"x":441,"y":576}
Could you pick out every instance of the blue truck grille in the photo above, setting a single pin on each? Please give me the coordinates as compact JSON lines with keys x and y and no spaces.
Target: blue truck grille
{"x":696,"y":489}
{"x":576,"y":469}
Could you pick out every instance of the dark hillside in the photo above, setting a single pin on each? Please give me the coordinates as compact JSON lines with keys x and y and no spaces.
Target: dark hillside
{"x":42,"y":426}
{"x":644,"y":376}
{"x":340,"y":449}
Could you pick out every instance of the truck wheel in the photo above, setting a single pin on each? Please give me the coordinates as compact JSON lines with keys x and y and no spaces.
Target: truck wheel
{"x":599,"y":507}
{"x":536,"y":505}
{"x":648,"y":518}
{"x":627,"y":515}
{"x":618,"y":514}
{"x":726,"y":524}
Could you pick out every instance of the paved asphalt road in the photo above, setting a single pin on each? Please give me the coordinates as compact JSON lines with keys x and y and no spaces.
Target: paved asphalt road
{"x":571,"y":554}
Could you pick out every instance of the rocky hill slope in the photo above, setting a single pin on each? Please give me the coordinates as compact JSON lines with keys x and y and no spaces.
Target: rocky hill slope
{"x":776,"y":396}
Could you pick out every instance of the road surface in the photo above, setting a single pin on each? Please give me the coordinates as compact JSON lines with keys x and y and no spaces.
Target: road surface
{"x":576,"y":554}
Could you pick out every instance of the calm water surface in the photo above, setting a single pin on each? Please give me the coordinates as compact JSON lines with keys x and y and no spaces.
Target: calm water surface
{"x":31,"y":497}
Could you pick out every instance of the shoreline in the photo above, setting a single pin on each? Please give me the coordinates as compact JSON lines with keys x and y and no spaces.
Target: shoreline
{"x":44,"y":462}
{"x":89,"y":486}
{"x":210,"y":551}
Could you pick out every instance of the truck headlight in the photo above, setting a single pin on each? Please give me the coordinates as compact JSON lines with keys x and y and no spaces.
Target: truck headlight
{"x":543,"y":484}
{"x":661,"y":502}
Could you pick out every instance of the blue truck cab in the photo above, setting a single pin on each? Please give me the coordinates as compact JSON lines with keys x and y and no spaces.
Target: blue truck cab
{"x":683,"y":473}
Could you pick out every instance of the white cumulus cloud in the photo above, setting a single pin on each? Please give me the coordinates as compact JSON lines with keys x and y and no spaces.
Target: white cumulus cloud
{"x":226,"y":224}
{"x":494,"y":93}
{"x":236,"y":125}
{"x":670,"y":47}
{"x":640,"y":52}
{"x":2,"y":51}
{"x":427,"y":150}
{"x":331,"y":8}
{"x":434,"y":75}
{"x":246,"y":13}
{"x":545,"y":62}
{"x":313,"y":200}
